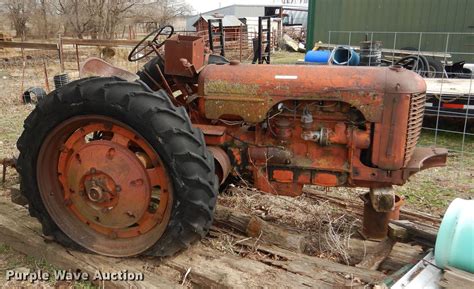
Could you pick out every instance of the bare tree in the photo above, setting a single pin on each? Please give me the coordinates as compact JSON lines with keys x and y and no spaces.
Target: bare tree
{"x":44,"y":18}
{"x":40,"y":16}
{"x":19,"y":12}
{"x":98,"y":18}
{"x":94,"y":18}
{"x":80,"y":14}
{"x":161,"y":12}
{"x":114,"y":11}
{"x":170,"y":9}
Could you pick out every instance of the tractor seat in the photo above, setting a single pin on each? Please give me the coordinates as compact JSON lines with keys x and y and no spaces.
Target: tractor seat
{"x":217,"y":59}
{"x":97,"y":67}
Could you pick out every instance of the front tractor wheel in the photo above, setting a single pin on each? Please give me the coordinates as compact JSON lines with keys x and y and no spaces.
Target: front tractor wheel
{"x":117,"y":169}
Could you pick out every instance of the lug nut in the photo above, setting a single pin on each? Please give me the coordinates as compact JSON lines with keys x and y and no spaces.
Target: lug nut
{"x":111,"y":153}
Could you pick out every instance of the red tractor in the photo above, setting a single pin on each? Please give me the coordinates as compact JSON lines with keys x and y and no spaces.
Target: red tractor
{"x":128,"y":164}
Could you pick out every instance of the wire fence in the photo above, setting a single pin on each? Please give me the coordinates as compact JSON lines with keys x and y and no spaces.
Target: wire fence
{"x":34,"y":64}
{"x":238,"y":43}
{"x":449,"y":108}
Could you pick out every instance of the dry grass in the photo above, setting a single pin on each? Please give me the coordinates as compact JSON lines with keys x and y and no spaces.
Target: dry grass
{"x":328,"y":229}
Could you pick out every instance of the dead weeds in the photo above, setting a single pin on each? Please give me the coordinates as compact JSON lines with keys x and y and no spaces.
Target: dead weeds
{"x":328,"y":229}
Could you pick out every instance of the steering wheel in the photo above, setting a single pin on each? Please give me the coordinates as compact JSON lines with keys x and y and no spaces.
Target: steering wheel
{"x":147,"y":46}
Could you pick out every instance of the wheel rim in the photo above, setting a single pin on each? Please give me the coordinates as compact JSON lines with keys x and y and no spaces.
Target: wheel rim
{"x":104,"y":185}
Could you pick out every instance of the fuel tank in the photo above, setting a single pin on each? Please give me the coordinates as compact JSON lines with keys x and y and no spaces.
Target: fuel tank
{"x":249,"y":91}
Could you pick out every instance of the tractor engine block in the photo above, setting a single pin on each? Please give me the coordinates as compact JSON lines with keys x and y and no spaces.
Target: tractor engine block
{"x":287,"y":126}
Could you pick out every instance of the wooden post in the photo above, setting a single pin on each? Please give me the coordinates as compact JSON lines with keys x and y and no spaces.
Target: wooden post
{"x":46,"y":81}
{"x":61,"y":53}
{"x":240,"y":42}
{"x":77,"y":60}
{"x":22,"y":74}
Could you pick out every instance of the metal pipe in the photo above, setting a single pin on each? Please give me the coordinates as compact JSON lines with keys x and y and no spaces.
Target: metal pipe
{"x":374,"y":223}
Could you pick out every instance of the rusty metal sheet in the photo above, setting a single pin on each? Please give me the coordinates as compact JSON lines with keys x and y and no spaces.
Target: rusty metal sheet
{"x":179,"y":48}
{"x":227,"y":89}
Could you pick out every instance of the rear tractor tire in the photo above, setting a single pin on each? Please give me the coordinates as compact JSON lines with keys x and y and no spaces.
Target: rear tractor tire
{"x":117,"y":169}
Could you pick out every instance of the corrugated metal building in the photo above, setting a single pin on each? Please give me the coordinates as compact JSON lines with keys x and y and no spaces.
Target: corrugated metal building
{"x":240,"y":11}
{"x":230,"y":24}
{"x":391,"y":16}
{"x":250,"y":14}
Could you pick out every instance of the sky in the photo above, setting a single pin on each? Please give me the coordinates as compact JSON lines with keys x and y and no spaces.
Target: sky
{"x":206,"y":5}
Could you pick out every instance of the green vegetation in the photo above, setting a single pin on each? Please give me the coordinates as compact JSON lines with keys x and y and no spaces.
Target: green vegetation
{"x":434,"y":189}
{"x":281,"y":57}
{"x":285,"y":57}
{"x":4,"y":249}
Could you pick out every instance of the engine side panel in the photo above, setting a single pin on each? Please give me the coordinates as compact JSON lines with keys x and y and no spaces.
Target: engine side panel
{"x":249,"y":91}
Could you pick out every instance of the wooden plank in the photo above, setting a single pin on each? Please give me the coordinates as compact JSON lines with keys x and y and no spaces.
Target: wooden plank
{"x":419,"y":232}
{"x":253,"y":226}
{"x":277,"y":238}
{"x":449,"y":86}
{"x":212,"y":269}
{"x":381,"y":252}
{"x":454,"y":278}
{"x":100,"y":42}
{"x":208,"y":268}
{"x":400,"y":254}
{"x":29,"y":45}
{"x":297,"y":240}
{"x":294,"y":262}
{"x":366,"y":275}
{"x":23,"y":234}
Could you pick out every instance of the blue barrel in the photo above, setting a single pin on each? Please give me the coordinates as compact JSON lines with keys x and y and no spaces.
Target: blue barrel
{"x":455,"y":240}
{"x":344,"y":55}
{"x":318,"y":56}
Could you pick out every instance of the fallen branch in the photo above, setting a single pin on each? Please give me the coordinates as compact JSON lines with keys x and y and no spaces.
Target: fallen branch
{"x":253,"y":226}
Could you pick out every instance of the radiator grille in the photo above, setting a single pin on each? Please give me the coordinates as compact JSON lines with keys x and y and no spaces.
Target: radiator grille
{"x":415,"y":122}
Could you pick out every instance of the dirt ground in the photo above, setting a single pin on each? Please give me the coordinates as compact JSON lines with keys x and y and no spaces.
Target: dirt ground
{"x":429,"y":191}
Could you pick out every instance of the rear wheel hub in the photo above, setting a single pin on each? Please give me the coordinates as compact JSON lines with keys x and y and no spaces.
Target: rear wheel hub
{"x":108,"y":185}
{"x":112,"y":185}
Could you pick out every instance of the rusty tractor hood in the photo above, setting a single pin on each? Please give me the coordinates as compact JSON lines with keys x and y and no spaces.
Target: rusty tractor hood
{"x":251,"y":90}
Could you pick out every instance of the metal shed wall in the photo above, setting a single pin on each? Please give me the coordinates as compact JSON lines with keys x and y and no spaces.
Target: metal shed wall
{"x":391,"y":16}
